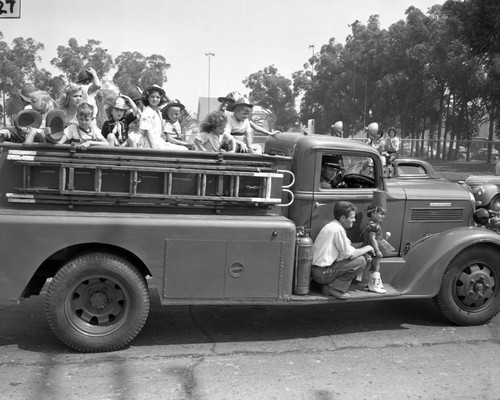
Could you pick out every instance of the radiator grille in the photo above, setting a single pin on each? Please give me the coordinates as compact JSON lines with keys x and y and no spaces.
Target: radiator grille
{"x":436,"y":214}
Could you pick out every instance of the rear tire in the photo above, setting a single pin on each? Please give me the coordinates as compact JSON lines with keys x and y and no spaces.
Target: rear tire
{"x":469,"y":293}
{"x":97,"y":302}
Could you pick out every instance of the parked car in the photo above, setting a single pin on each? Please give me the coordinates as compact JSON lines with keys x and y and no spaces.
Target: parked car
{"x":486,"y":190}
{"x":483,"y":153}
{"x":413,"y":168}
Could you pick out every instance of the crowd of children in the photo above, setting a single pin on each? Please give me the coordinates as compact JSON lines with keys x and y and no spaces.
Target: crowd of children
{"x":147,"y":121}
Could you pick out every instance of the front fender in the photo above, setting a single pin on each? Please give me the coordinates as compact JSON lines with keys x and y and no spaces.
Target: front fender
{"x":487,"y":193}
{"x":427,"y":260}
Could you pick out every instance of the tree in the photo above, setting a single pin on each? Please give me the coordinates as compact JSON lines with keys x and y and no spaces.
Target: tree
{"x":135,"y":70}
{"x":478,"y":26}
{"x":17,"y":67}
{"x":72,"y":58}
{"x":273,"y":91}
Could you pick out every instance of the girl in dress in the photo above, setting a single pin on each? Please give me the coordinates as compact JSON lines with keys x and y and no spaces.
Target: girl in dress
{"x":374,"y":236}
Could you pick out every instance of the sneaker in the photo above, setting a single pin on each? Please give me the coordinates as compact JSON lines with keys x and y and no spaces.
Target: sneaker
{"x":375,"y":284}
{"x":328,"y":291}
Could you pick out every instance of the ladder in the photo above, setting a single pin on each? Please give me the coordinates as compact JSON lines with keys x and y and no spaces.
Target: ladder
{"x":52,"y":176}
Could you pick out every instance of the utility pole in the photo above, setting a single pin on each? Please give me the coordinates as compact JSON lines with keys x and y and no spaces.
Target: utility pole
{"x":209,"y":55}
{"x":311,"y":46}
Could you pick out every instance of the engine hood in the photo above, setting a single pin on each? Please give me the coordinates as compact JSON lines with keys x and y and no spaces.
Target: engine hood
{"x":436,"y":189}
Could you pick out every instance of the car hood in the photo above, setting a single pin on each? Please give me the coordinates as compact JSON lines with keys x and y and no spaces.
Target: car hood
{"x":478,"y":180}
{"x":432,"y":189}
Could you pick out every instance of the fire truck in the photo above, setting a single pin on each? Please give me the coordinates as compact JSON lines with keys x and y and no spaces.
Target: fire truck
{"x":96,"y":229}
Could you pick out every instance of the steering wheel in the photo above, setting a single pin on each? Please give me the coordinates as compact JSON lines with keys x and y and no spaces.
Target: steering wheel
{"x":338,"y":178}
{"x":359,"y":181}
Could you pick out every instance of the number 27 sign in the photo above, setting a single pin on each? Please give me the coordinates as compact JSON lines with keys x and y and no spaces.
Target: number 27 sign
{"x":10,"y":9}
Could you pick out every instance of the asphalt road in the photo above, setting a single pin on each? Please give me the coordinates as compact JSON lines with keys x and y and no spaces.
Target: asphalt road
{"x":396,"y":350}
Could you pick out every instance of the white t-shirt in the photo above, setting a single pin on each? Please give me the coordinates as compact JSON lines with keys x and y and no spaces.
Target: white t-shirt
{"x":331,"y":244}
{"x":75,"y":134}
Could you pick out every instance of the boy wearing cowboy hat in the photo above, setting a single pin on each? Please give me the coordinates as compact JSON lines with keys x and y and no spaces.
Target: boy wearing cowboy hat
{"x":172,"y":128}
{"x":116,"y":128}
{"x":228,"y":100}
{"x":238,"y":125}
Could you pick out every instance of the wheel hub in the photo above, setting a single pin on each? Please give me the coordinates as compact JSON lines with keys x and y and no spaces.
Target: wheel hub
{"x":98,"y":300}
{"x":475,"y":286}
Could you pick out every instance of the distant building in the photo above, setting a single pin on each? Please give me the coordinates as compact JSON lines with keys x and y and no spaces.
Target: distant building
{"x":206,"y":106}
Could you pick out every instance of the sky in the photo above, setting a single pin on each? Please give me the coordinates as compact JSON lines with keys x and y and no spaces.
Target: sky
{"x":244,"y":36}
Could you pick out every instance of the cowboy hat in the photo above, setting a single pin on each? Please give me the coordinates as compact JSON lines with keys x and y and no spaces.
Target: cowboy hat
{"x":25,"y":92}
{"x":135,"y":94}
{"x":230,"y":97}
{"x":55,"y":121}
{"x":83,"y":76}
{"x":27,"y":119}
{"x":155,"y":87}
{"x":119,"y":103}
{"x":242,"y":101}
{"x":174,"y":103}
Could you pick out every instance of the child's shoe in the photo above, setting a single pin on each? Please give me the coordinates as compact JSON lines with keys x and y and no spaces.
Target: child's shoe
{"x":375,"y":283}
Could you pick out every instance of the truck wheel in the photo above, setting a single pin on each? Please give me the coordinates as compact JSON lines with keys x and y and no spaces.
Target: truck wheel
{"x":469,"y":293}
{"x":97,"y":302}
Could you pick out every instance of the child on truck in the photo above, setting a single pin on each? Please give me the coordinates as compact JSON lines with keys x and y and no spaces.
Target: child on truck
{"x":374,"y":236}
{"x":85,"y":134}
{"x":239,"y":126}
{"x":116,"y":128}
{"x":172,"y":128}
{"x":213,"y":136}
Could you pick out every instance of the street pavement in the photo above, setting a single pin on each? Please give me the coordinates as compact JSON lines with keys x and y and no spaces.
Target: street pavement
{"x":401,"y":349}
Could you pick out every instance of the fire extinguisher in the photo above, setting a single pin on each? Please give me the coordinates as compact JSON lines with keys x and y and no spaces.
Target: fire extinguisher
{"x":303,"y":261}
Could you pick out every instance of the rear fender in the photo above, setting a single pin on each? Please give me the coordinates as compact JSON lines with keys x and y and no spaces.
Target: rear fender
{"x":427,"y":260}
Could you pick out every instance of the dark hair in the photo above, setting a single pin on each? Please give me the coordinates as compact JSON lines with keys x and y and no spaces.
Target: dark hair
{"x":85,"y":108}
{"x":145,"y":99}
{"x":343,"y":208}
{"x":213,"y":121}
{"x":372,"y":208}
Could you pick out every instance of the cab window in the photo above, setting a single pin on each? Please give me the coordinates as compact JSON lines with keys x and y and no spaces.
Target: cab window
{"x":345,"y":171}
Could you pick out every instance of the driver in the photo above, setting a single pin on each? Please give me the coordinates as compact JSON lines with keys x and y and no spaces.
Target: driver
{"x":332,"y":172}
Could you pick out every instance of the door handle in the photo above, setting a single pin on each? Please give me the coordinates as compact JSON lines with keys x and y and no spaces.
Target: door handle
{"x":317,"y":204}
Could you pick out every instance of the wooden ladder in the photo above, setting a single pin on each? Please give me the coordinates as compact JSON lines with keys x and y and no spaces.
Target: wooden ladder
{"x":55,"y":178}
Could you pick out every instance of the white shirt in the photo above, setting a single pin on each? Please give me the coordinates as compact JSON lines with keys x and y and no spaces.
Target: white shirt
{"x":331,"y":244}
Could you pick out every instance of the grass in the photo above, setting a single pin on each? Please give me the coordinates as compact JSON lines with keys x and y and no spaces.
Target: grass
{"x":459,"y":170}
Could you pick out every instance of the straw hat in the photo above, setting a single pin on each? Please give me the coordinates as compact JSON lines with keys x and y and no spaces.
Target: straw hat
{"x":55,"y":121}
{"x":27,"y":119}
{"x":242,"y":101}
{"x":231,"y":97}
{"x":25,"y":92}
{"x":119,"y":103}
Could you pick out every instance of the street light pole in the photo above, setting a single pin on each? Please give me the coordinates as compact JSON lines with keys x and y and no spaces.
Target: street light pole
{"x":208,"y":102}
{"x":311,"y":46}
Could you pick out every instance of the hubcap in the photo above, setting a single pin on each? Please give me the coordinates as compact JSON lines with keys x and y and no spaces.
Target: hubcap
{"x":474,"y":287}
{"x":96,"y":305}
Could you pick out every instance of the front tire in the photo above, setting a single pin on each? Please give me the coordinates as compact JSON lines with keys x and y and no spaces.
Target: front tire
{"x":97,"y":302}
{"x":469,"y":292}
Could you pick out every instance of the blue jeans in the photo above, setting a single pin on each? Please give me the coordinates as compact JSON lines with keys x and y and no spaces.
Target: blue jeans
{"x":340,"y":274}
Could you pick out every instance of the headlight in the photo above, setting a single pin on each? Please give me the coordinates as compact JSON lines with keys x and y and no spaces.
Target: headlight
{"x":480,"y":191}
